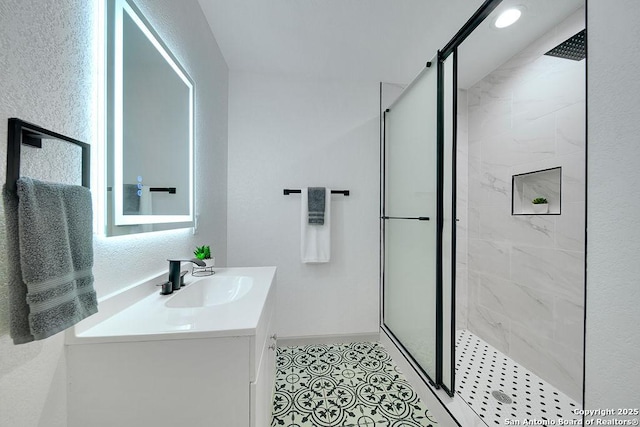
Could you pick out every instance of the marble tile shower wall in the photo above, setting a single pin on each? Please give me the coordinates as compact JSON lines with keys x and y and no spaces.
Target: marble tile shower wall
{"x":462,"y":208}
{"x":525,"y":284}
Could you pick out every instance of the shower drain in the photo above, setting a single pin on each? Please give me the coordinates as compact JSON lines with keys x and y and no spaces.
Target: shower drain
{"x":501,"y":397}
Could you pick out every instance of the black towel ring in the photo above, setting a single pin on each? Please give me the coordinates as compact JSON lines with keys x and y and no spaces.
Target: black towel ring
{"x":21,"y":132}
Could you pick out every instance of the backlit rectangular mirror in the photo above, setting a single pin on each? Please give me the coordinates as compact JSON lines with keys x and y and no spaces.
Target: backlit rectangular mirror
{"x":150,"y":136}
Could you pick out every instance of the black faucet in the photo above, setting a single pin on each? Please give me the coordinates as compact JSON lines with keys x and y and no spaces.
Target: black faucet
{"x":174,"y":274}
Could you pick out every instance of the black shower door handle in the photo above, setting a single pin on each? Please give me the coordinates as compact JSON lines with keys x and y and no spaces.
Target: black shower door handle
{"x":418,"y":218}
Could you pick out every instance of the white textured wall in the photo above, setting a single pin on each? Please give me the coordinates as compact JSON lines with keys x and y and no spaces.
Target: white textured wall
{"x":613,"y":241}
{"x":48,"y":74}
{"x":525,"y":272}
{"x":293,"y":133}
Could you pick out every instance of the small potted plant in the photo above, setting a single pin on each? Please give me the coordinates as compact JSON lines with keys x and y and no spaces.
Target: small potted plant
{"x":540,"y":205}
{"x":203,"y":253}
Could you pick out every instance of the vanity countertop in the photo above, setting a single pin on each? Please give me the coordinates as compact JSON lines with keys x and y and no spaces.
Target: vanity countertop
{"x":148,"y":316}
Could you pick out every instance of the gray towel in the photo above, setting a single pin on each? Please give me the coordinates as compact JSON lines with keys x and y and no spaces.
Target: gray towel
{"x":55,"y":253}
{"x":130,"y":199}
{"x":18,"y":308}
{"x":316,"y":205}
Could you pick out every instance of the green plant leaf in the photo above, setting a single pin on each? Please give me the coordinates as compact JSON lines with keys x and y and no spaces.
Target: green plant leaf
{"x":202,"y":252}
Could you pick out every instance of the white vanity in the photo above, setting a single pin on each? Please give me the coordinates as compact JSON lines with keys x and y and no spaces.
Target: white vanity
{"x":202,"y":356}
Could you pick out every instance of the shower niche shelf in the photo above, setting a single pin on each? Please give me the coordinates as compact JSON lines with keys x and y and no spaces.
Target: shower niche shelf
{"x":545,"y":183}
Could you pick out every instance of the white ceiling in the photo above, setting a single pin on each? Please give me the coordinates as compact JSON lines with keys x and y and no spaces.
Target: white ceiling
{"x":365,"y":40}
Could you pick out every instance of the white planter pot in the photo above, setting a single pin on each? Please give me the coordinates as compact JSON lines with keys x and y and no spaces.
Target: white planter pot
{"x":207,"y":270}
{"x":541,"y":208}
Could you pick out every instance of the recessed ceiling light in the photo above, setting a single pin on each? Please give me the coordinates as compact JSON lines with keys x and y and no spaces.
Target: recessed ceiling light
{"x":508,"y":17}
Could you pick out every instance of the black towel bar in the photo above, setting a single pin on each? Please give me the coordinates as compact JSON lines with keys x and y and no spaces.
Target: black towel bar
{"x":21,"y":132}
{"x":288,"y":191}
{"x":170,"y":190}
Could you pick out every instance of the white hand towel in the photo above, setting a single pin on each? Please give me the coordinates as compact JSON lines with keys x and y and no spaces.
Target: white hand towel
{"x":146,"y":208}
{"x":146,"y":201}
{"x":315,"y":239}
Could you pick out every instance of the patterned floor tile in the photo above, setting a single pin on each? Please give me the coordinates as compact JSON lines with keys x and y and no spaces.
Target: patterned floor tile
{"x":350,"y":385}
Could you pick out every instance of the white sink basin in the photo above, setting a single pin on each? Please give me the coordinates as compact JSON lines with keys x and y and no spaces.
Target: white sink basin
{"x":211,"y":291}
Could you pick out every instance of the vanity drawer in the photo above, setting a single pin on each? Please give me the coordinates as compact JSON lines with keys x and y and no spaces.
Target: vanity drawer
{"x":263,"y":365}
{"x":262,"y":388}
{"x":264,"y":332}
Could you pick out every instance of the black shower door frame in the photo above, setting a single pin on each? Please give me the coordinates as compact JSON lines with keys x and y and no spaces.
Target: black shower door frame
{"x":442,"y":55}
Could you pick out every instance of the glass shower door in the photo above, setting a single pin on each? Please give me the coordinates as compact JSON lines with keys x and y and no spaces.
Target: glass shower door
{"x":409,"y":222}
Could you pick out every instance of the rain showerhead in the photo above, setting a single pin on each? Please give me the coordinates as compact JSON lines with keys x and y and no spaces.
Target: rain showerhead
{"x":573,"y":48}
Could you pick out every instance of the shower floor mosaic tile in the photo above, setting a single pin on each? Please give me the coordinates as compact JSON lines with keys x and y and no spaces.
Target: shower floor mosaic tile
{"x":484,"y":376}
{"x":351,"y":385}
